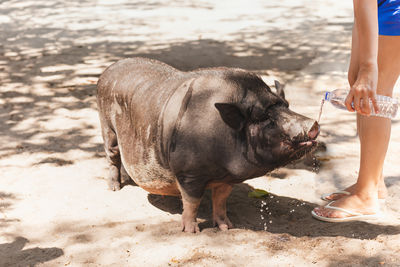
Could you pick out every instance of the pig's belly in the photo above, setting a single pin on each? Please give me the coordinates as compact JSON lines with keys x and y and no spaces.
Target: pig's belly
{"x":150,"y":175}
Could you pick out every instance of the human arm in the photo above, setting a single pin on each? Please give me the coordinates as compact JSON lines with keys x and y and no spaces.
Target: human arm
{"x":363,"y":74}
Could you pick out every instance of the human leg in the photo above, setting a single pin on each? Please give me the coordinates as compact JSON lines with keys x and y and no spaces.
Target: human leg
{"x":352,"y":77}
{"x":374,"y":133}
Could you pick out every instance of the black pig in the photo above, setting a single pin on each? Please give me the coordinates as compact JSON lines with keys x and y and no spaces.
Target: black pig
{"x":178,"y":133}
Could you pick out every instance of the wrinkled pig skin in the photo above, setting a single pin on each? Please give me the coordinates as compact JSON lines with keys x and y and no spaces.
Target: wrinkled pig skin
{"x":178,"y":133}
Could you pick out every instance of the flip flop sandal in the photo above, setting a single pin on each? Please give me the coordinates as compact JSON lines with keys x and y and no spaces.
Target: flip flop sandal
{"x":382,"y":201}
{"x":353,"y":216}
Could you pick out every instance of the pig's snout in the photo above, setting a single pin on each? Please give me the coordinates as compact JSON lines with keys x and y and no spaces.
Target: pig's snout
{"x":314,"y":131}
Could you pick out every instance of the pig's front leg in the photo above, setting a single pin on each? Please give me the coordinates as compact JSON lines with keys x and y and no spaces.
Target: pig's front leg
{"x":189,"y":221}
{"x":192,"y":189}
{"x":219,"y":195}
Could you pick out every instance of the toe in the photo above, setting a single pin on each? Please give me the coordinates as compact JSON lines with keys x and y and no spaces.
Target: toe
{"x":329,"y":197}
{"x":334,"y":196}
{"x":319,"y":210}
{"x":322,"y":211}
{"x":328,"y":213}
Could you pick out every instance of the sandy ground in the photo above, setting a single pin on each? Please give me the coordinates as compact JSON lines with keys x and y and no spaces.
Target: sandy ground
{"x":55,"y":208}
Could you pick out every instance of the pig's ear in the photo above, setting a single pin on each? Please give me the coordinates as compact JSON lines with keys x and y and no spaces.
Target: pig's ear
{"x":279,"y":89}
{"x":231,"y":115}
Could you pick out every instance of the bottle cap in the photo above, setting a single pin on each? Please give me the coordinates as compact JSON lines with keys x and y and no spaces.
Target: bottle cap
{"x":327,"y":96}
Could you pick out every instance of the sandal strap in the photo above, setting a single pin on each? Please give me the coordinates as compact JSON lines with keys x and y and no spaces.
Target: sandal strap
{"x":352,"y":213}
{"x":341,"y":192}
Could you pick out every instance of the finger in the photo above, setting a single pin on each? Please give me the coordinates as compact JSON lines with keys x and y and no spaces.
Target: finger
{"x":365,"y":107}
{"x":366,"y":110}
{"x":348,"y":101}
{"x":368,"y":105}
{"x":361,"y":110}
{"x":356,"y":102}
{"x":374,"y":102}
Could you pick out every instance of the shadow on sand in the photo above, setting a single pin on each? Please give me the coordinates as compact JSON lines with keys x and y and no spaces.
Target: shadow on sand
{"x":14,"y":254}
{"x":284,"y":215}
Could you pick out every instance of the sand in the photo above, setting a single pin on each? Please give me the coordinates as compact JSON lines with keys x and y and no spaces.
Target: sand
{"x":55,"y":208}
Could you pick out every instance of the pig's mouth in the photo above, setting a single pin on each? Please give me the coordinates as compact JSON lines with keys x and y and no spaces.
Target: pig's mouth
{"x":300,"y":148}
{"x":307,"y":143}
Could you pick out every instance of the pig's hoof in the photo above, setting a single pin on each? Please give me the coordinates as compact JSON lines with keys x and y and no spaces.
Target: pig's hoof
{"x":190,"y":227}
{"x":223,"y":224}
{"x":114,"y":185}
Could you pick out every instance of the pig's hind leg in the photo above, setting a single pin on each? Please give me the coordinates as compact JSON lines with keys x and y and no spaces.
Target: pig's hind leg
{"x":113,"y":157}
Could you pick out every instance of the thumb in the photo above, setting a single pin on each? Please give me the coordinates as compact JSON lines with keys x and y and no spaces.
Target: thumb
{"x":349,"y":101}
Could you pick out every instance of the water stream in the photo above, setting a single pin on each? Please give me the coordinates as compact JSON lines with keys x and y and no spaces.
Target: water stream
{"x":320,"y":110}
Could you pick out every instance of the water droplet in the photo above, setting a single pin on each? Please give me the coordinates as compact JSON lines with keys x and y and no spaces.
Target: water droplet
{"x":262,"y":217}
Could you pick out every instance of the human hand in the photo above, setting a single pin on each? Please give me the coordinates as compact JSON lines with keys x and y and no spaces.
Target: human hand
{"x":363,"y":90}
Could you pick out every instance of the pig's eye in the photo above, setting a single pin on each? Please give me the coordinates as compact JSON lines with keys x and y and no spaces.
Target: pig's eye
{"x":260,"y":118}
{"x":268,"y":123}
{"x":274,"y":105}
{"x":257,"y":115}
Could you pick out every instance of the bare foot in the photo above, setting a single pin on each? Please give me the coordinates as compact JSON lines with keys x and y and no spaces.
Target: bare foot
{"x":382,"y":192}
{"x":352,"y":203}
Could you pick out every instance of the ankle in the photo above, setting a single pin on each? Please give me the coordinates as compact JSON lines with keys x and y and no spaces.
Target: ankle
{"x":367,"y":188}
{"x":366,"y":196}
{"x":382,"y":185}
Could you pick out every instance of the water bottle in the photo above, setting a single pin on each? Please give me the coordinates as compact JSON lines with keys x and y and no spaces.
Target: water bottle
{"x":387,"y":106}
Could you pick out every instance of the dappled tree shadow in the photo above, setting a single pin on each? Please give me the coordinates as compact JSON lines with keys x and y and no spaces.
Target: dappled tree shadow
{"x":70,"y":71}
{"x":49,"y":69}
{"x":14,"y":254}
{"x":46,"y":71}
{"x":6,"y":204}
{"x":376,"y":260}
{"x":62,"y":91}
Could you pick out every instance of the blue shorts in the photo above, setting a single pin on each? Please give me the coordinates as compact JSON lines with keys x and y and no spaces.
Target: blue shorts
{"x":389,"y":17}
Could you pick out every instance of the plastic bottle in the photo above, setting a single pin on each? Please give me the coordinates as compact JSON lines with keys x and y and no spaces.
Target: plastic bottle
{"x":387,"y":106}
